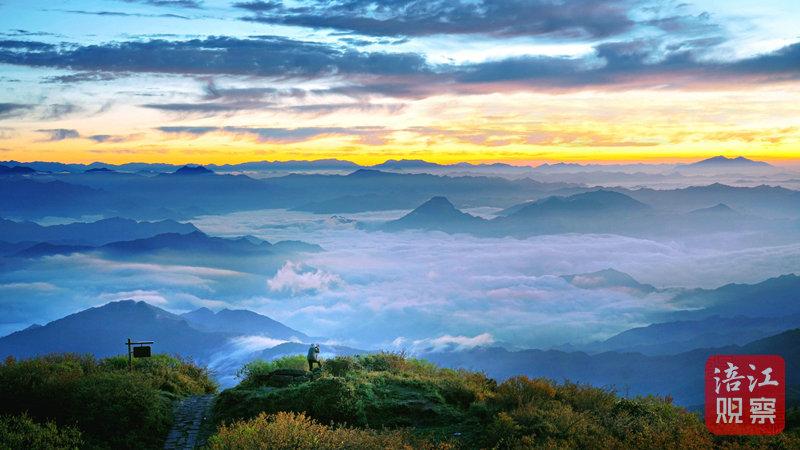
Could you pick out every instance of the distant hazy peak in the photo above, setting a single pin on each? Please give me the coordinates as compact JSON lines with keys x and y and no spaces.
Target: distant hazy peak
{"x":193,"y":170}
{"x":719,"y":208}
{"x":739,"y":161}
{"x":367,"y":173}
{"x":405,"y":164}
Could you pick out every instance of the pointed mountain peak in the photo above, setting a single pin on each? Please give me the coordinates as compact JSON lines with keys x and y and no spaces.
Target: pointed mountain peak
{"x":434,"y":205}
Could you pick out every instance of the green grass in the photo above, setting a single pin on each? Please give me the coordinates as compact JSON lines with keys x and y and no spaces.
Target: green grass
{"x":110,"y":407}
{"x":390,"y":393}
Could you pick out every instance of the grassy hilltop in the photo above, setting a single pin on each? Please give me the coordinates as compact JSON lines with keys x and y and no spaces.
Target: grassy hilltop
{"x":371,"y":401}
{"x":387,"y":400}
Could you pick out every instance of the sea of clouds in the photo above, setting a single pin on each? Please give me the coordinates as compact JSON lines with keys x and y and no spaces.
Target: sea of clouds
{"x":412,"y":290}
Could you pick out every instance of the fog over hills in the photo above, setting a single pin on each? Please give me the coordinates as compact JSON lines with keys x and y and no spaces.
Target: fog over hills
{"x":254,"y":259}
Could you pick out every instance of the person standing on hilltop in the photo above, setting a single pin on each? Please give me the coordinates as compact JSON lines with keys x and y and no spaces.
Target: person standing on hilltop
{"x":313,"y":356}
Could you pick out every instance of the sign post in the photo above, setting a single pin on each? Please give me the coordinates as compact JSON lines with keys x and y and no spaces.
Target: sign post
{"x":141,"y":350}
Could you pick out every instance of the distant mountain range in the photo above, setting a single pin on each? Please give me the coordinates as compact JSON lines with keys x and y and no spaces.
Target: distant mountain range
{"x":183,"y":192}
{"x":337,"y":164}
{"x":185,"y":245}
{"x":623,"y":212}
{"x":731,"y":314}
{"x":94,"y":233}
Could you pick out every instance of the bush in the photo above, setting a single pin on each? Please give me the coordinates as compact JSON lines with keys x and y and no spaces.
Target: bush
{"x":520,"y":390}
{"x":288,"y":430}
{"x":256,"y":372}
{"x":121,"y":410}
{"x":341,"y":366}
{"x":110,"y":406}
{"x":171,"y":374}
{"x":19,"y":432}
{"x":394,"y":362}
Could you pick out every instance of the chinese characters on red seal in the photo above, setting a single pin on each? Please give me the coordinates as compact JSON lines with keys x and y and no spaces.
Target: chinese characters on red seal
{"x":745,"y":394}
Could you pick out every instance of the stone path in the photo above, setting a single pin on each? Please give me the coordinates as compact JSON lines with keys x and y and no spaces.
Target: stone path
{"x":189,"y":417}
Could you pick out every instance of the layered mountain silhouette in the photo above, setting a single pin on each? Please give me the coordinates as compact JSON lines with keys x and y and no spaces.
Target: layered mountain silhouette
{"x":774,"y":298}
{"x":192,"y":243}
{"x":241,"y":321}
{"x":592,"y":212}
{"x":587,"y":203}
{"x":94,"y":233}
{"x":681,"y":336}
{"x":180,"y":193}
{"x":16,"y":170}
{"x":731,"y":314}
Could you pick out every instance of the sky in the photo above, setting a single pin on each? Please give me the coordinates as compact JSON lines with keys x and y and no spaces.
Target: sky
{"x":522,"y":82}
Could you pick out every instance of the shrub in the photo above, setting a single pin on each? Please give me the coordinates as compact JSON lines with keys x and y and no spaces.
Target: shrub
{"x":172,"y":374}
{"x":121,"y":410}
{"x":18,"y":432}
{"x":288,"y":430}
{"x":583,"y":397}
{"x":110,"y":406}
{"x":255,"y":372}
{"x":341,"y":366}
{"x":384,"y":361}
{"x":520,"y":390}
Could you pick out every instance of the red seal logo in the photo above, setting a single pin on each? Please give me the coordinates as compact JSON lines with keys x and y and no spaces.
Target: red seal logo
{"x":745,"y":394}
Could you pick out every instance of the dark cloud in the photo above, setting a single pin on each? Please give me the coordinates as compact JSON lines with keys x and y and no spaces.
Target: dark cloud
{"x":106,"y":138}
{"x":20,"y":32}
{"x":637,"y":63}
{"x":9,"y":45}
{"x":83,"y":77}
{"x":644,"y":63}
{"x":213,"y":92}
{"x":122,"y":14}
{"x":57,"y":111}
{"x":192,"y":4}
{"x":206,"y":108}
{"x":282,"y":135}
{"x":577,"y":18}
{"x":330,"y":108}
{"x":59,"y":134}
{"x":12,"y":109}
{"x":785,"y":61}
{"x":273,"y":57}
